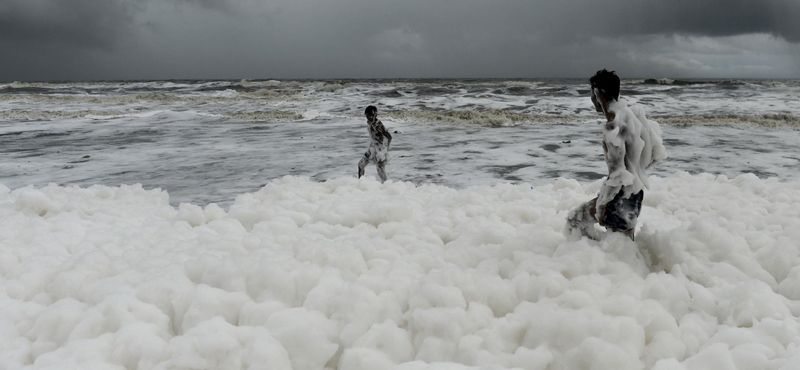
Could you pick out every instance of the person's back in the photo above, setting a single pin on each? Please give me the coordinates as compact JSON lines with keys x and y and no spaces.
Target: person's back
{"x":653,"y":151}
{"x":643,"y":149}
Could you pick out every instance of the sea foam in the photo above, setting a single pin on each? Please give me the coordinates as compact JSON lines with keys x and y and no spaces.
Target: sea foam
{"x":354,"y":274}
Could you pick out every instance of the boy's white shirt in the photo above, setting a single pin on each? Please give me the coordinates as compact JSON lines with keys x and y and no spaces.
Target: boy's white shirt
{"x":633,"y":144}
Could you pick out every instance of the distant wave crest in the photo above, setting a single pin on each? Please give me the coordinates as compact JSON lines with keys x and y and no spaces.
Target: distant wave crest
{"x":769,"y":121}
{"x":48,"y":115}
{"x":266,"y":116}
{"x":501,"y":118}
{"x":490,"y":117}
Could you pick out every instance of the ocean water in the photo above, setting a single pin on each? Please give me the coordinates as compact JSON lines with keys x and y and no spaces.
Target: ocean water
{"x":207,"y":141}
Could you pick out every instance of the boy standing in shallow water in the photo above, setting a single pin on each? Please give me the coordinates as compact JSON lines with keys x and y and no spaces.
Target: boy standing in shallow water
{"x":631,"y":144}
{"x":378,"y":152}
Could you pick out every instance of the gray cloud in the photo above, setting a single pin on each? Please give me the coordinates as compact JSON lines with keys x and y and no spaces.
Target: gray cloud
{"x":79,"y":39}
{"x":84,"y":23}
{"x":225,"y":6}
{"x":709,"y":17}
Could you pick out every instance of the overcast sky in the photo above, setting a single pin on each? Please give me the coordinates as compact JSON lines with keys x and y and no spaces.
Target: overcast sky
{"x":208,"y":39}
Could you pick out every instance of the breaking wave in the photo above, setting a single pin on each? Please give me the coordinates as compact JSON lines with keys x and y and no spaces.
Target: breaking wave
{"x":229,"y":95}
{"x":767,"y":121}
{"x":266,"y":116}
{"x":502,"y":118}
{"x":717,"y":82}
{"x":486,"y":118}
{"x":770,"y":104}
{"x":45,"y":115}
{"x":491,"y":117}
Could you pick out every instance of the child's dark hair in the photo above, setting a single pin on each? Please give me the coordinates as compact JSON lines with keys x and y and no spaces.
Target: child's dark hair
{"x":371,"y":109}
{"x":607,"y":82}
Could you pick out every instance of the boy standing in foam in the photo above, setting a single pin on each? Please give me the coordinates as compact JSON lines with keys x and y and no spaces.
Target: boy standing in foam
{"x":631,"y":144}
{"x":378,"y":152}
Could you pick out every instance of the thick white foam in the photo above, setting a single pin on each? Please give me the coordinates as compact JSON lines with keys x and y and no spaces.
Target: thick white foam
{"x":351,"y":274}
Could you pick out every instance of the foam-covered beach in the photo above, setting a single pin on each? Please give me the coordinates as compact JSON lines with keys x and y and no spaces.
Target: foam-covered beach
{"x":152,"y":225}
{"x":354,"y":274}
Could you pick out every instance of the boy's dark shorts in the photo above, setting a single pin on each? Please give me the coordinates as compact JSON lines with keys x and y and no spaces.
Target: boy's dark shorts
{"x":622,"y":213}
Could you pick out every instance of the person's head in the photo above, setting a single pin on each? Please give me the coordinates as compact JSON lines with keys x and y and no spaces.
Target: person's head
{"x":605,"y":86}
{"x":371,"y":112}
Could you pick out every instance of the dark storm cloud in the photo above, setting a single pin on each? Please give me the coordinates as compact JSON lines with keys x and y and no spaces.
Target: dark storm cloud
{"x":224,"y":6}
{"x":100,"y":22}
{"x":86,"y":23}
{"x":703,"y":17}
{"x":631,"y":17}
{"x":78,"y":39}
{"x":83,"y":23}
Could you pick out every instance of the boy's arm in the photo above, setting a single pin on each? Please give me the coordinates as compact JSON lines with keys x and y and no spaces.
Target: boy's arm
{"x":618,"y":175}
{"x":386,"y":134}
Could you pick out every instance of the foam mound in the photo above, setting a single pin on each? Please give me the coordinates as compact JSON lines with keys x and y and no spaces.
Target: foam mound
{"x":351,"y":274}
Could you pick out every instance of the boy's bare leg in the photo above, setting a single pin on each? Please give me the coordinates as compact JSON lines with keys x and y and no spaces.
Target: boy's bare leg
{"x":361,"y":165}
{"x":382,"y":171}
